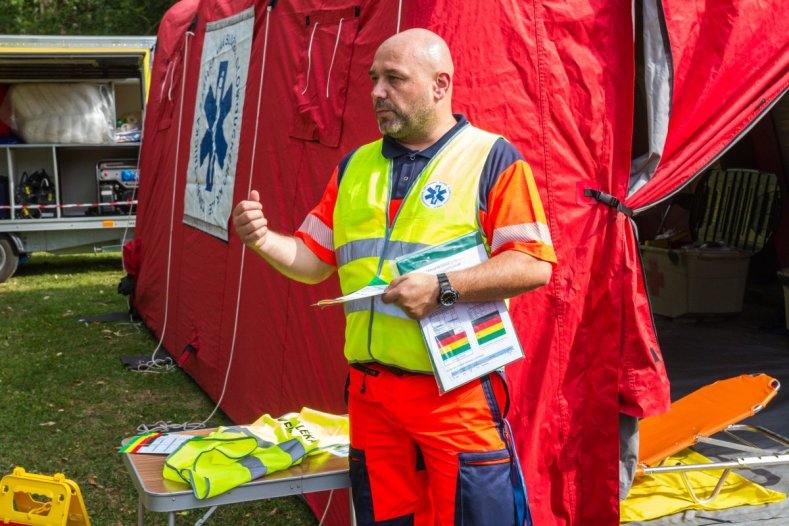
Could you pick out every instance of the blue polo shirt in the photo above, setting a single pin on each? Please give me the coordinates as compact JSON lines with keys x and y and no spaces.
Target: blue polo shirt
{"x":408,"y":164}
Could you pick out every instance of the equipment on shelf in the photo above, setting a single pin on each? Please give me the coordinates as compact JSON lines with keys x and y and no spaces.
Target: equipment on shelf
{"x":118,"y":180}
{"x":35,"y":189}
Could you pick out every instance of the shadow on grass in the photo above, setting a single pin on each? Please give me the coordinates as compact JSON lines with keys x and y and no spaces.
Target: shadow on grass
{"x":70,"y":264}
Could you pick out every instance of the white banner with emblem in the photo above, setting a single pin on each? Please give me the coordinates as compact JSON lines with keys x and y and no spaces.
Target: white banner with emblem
{"x":216,"y":130}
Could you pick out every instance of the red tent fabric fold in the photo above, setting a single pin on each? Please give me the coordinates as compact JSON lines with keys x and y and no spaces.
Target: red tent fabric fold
{"x":730,"y":64}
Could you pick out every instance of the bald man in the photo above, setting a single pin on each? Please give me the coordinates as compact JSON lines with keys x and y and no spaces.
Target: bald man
{"x":417,"y":457}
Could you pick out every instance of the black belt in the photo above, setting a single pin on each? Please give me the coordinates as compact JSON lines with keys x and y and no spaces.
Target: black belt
{"x":377,"y":367}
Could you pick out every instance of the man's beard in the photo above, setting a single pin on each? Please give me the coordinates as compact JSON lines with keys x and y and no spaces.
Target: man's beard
{"x":405,"y":124}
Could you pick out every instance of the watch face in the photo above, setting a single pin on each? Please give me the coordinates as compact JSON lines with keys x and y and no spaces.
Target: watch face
{"x":448,"y":297}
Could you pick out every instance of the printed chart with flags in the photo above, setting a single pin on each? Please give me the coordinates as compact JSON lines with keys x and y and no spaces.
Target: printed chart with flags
{"x":468,"y":340}
{"x":453,"y":343}
{"x":488,"y":327}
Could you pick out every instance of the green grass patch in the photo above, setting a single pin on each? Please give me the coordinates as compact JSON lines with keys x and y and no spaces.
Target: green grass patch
{"x":67,"y":401}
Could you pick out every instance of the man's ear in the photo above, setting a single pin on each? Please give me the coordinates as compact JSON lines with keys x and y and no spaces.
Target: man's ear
{"x":441,"y":85}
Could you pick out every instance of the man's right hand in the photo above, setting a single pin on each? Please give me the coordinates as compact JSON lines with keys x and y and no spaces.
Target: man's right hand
{"x":287,"y":254}
{"x":250,"y":223}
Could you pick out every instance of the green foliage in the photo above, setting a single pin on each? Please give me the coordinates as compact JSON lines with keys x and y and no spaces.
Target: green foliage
{"x":82,"y":17}
{"x":68,"y":402}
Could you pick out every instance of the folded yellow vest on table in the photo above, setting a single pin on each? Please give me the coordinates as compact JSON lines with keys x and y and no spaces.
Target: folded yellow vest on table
{"x":654,"y":496}
{"x":231,"y":456}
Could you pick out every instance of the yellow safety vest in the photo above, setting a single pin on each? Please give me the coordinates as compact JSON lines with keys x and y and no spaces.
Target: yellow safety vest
{"x":442,"y":205}
{"x":231,"y":456}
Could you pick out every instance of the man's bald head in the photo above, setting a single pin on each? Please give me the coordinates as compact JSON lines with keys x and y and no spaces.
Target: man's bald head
{"x":412,"y":74}
{"x":422,"y":47}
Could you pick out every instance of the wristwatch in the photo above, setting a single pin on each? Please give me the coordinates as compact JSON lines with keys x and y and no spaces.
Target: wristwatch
{"x":447,"y":294}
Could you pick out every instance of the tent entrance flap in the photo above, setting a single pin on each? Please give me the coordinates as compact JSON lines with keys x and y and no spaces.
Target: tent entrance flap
{"x":654,"y":85}
{"x":724,"y":78}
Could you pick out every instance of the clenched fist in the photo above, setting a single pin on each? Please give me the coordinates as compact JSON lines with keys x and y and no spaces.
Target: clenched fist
{"x":250,"y":223}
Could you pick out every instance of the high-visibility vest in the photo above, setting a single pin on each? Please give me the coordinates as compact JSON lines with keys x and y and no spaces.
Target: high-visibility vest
{"x":231,"y":456}
{"x":442,"y":205}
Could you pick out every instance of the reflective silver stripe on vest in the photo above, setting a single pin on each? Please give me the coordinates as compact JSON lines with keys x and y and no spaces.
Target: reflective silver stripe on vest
{"x":395,"y":249}
{"x":363,"y":305}
{"x":294,"y":448}
{"x":374,"y":247}
{"x":238,"y":429}
{"x":255,"y":466}
{"x":318,"y":230}
{"x":524,"y":232}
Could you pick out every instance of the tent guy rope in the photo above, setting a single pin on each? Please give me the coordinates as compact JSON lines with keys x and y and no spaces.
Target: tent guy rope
{"x":309,"y":59}
{"x":152,"y":365}
{"x":333,"y":55}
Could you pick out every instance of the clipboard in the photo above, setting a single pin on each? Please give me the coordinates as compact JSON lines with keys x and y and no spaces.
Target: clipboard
{"x":467,"y":340}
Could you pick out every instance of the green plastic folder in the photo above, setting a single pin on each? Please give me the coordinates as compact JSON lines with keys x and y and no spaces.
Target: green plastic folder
{"x":425,"y":256}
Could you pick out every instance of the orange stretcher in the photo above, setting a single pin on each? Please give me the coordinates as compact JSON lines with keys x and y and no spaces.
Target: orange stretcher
{"x":713,"y":409}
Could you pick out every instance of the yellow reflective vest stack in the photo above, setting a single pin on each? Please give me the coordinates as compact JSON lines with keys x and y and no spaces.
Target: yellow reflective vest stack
{"x":231,"y":456}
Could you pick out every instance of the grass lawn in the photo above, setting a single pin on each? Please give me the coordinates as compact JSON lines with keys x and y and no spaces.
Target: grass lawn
{"x":68,"y":402}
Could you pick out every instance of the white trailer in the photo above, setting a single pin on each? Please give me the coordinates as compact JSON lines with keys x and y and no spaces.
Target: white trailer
{"x":62,"y":190}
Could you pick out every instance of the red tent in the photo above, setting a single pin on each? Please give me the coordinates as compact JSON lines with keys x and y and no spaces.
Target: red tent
{"x":273,"y":94}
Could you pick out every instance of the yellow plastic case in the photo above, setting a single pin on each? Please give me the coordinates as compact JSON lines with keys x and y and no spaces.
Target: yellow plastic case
{"x":41,"y":500}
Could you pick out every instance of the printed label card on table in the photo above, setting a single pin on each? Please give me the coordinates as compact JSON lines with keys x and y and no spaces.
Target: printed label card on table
{"x":155,"y":443}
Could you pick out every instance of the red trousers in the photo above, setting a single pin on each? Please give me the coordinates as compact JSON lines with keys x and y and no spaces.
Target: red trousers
{"x":420,"y":458}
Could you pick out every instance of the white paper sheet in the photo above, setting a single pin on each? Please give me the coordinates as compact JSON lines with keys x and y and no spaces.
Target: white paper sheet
{"x":366,"y":292}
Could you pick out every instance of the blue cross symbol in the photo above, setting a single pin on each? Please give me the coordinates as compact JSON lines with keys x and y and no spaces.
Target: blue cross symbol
{"x":435,"y":194}
{"x":214,"y":144}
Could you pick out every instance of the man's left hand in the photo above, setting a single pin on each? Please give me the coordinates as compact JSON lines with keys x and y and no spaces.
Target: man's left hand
{"x":416,"y":293}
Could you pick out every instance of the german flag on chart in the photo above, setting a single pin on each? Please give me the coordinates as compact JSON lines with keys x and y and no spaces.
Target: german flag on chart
{"x":488,"y":327}
{"x":452,"y":343}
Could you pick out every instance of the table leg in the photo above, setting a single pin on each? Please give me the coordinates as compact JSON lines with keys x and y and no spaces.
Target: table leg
{"x":171,"y":519}
{"x":353,"y":511}
{"x":140,"y":514}
{"x":204,"y":518}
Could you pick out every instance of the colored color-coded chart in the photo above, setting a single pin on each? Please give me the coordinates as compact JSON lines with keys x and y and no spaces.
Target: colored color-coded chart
{"x":452,"y":343}
{"x":489,"y":327}
{"x":154,"y":443}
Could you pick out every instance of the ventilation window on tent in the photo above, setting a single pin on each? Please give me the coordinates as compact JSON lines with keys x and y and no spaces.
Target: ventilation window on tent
{"x":320,"y":88}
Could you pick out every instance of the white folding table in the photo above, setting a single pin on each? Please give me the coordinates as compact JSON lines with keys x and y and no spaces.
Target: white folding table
{"x":321,"y":472}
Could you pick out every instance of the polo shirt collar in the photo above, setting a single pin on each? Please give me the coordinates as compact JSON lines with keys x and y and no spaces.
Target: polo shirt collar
{"x":391,"y":148}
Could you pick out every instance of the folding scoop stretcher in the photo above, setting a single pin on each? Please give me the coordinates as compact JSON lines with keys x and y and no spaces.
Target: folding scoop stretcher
{"x":694,"y":419}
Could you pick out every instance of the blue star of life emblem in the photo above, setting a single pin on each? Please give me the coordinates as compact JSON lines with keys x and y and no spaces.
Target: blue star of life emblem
{"x":435,"y":195}
{"x":217,"y":122}
{"x":217,"y":105}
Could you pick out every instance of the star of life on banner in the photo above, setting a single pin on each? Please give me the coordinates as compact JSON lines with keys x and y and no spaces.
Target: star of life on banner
{"x":216,"y":129}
